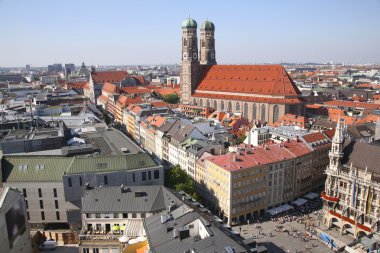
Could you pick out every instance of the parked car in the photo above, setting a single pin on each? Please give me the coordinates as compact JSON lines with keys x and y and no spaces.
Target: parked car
{"x":48,"y":245}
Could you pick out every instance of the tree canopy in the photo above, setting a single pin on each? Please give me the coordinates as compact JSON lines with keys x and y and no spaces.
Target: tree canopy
{"x":177,"y":179}
{"x":171,"y":98}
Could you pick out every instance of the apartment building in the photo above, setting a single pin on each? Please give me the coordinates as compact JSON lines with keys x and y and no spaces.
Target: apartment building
{"x":249,"y":180}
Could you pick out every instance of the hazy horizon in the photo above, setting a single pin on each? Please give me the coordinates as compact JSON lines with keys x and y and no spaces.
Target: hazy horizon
{"x":117,"y":33}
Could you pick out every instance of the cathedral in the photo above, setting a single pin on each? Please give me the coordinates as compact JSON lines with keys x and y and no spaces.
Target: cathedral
{"x":262,"y":93}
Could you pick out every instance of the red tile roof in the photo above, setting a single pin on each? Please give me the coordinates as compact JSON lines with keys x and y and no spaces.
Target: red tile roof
{"x":293,"y":120}
{"x":109,"y":76}
{"x":109,"y":87}
{"x":252,"y":79}
{"x":352,"y":104}
{"x":76,"y":85}
{"x":255,"y":156}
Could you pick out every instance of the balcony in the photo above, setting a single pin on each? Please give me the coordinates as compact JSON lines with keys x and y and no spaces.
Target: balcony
{"x":329,"y":198}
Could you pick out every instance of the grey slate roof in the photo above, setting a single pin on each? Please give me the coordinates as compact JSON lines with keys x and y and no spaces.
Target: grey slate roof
{"x":362,"y":155}
{"x":52,"y":168}
{"x":111,"y":199}
{"x":162,"y":241}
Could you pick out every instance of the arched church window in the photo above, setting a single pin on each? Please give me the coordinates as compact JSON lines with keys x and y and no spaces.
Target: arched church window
{"x":200,"y":102}
{"x":263,"y":113}
{"x":237,"y":106}
{"x":215,"y":105}
{"x":254,"y":114}
{"x":229,"y":106}
{"x":194,"y":101}
{"x":245,"y":112}
{"x":208,"y":103}
{"x":276,"y":112}
{"x":222,"y":105}
{"x":184,"y":42}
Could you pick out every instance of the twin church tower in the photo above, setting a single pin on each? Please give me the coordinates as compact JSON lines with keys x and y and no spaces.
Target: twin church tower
{"x":193,"y":61}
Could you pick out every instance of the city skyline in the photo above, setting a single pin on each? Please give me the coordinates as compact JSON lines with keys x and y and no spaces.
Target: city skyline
{"x":131,"y":33}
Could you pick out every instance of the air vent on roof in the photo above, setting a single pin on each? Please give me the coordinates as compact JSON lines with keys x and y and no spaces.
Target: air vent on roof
{"x":40,"y":167}
{"x":140,"y":194}
{"x":23,"y":167}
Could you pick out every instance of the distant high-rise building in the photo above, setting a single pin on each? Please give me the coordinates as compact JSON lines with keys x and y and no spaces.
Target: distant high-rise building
{"x":27,"y":67}
{"x":57,"y":67}
{"x":69,"y":69}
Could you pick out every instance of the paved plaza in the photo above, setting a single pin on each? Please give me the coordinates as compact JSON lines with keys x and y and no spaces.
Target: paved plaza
{"x":292,"y":236}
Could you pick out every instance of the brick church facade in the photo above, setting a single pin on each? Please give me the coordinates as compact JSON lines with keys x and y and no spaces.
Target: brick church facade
{"x":262,"y":93}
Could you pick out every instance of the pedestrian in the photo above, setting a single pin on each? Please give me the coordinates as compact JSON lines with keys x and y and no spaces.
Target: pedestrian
{"x":248,"y":221}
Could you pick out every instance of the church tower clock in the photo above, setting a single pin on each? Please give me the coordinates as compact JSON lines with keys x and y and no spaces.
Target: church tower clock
{"x":190,"y":64}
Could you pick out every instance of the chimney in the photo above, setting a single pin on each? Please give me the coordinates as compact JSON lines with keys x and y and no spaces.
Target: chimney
{"x":234,"y":159}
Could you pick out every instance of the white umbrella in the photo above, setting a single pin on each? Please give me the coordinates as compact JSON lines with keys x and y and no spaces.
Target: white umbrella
{"x":124,"y":239}
{"x":132,"y":241}
{"x":141,"y":238}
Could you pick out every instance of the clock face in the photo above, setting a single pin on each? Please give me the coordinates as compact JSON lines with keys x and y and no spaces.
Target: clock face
{"x":184,"y":56}
{"x":195,"y":55}
{"x":212,"y":55}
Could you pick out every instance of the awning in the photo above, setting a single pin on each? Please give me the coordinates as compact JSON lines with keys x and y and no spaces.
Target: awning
{"x":311,"y":195}
{"x":336,"y":224}
{"x":350,"y":230}
{"x":299,"y":202}
{"x":279,"y":209}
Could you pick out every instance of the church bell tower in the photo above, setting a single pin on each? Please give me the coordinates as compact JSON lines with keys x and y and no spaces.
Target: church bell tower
{"x":207,"y":44}
{"x":190,"y":68}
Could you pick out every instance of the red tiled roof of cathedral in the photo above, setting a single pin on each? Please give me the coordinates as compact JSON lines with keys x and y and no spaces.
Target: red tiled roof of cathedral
{"x":109,"y":76}
{"x":252,"y":79}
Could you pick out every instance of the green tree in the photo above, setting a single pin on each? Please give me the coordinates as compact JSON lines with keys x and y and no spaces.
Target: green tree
{"x":177,"y":179}
{"x":171,"y":98}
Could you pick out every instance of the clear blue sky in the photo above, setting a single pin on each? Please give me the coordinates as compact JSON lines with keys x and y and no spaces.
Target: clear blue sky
{"x":112,"y":32}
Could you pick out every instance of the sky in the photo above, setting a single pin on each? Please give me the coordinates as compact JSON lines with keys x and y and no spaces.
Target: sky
{"x":111,"y":32}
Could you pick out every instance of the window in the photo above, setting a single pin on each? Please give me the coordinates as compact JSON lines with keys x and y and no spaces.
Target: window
{"x":254,"y":112}
{"x":24,"y":192}
{"x":55,"y":192}
{"x":263,"y":113}
{"x":245,"y":112}
{"x":222,"y":105}
{"x":125,"y":215}
{"x":70,"y":183}
{"x":105,"y":180}
{"x":215,"y":105}
{"x":149,"y":175}
{"x":134,"y":215}
{"x":229,"y":107}
{"x":143,"y":174}
{"x":80,"y":181}
{"x":41,"y":204}
{"x":97,"y":215}
{"x":133,"y":177}
{"x":57,"y":214}
{"x":26,"y":204}
{"x":156,"y":174}
{"x":56,"y":204}
{"x":95,"y":250}
{"x":276,"y":112}
{"x":86,"y":250}
{"x":27,"y":214}
{"x":237,"y":107}
{"x":39,"y":193}
{"x":42,"y":215}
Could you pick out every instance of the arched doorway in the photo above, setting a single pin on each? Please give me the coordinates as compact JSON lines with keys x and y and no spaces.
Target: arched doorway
{"x":347,"y":229}
{"x":361,"y":234}
{"x":276,"y":112}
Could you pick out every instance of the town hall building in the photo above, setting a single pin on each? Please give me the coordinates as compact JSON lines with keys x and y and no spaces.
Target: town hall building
{"x":262,"y":93}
